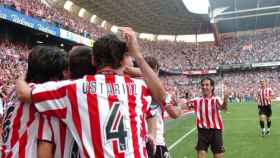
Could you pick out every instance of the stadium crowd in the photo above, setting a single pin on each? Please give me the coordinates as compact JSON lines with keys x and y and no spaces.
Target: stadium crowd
{"x":182,"y":56}
{"x":241,"y":90}
{"x":180,"y":85}
{"x":250,"y":82}
{"x":13,"y":59}
{"x":177,"y":56}
{"x":262,"y":47}
{"x":59,"y":17}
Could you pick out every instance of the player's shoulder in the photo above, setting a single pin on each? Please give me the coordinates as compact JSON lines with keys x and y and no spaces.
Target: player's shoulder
{"x":85,"y":78}
{"x":138,"y":80}
{"x":196,"y":99}
{"x":59,"y":83}
{"x":125,"y":78}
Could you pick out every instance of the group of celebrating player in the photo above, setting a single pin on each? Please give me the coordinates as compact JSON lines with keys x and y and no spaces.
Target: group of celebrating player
{"x":94,"y":103}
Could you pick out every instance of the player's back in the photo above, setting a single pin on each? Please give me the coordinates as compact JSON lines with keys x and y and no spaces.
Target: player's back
{"x":105,"y":113}
{"x":20,"y":127}
{"x":116,"y":107}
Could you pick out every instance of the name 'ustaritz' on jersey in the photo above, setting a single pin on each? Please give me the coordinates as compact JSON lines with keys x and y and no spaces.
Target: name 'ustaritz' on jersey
{"x":111,"y":88}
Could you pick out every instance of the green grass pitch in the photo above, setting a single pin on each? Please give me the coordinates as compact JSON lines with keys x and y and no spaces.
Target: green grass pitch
{"x":241,"y":134}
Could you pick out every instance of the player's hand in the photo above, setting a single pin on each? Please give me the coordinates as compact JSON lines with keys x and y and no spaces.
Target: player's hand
{"x":227,"y":91}
{"x":131,"y":41}
{"x":189,"y":105}
{"x":181,"y":103}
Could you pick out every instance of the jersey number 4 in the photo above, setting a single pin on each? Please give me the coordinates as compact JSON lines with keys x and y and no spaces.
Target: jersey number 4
{"x":114,"y":127}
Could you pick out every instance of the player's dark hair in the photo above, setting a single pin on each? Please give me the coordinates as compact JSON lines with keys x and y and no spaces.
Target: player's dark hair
{"x":46,"y":63}
{"x":109,"y":50}
{"x":212,"y":83}
{"x":152,"y":62}
{"x":80,"y":62}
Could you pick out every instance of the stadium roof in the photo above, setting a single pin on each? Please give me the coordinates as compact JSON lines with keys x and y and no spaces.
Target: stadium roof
{"x":242,"y":15}
{"x":149,"y":16}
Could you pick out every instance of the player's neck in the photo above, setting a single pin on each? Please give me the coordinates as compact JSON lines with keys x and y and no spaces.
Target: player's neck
{"x":207,"y":96}
{"x":109,"y":70}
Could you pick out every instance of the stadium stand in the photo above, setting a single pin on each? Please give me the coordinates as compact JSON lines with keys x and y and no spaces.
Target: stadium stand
{"x":13,"y":57}
{"x":241,"y":90}
{"x":238,"y":61}
{"x":263,"y":46}
{"x":56,"y":16}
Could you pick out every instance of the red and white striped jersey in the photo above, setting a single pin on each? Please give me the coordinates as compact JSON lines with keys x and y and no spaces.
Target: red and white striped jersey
{"x":264,"y":96}
{"x":157,"y":109}
{"x":105,"y":113}
{"x":45,"y":131}
{"x":20,"y":125}
{"x":65,"y":145}
{"x":207,"y":112}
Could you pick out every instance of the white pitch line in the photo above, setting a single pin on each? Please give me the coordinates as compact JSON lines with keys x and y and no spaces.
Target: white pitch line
{"x":180,"y":139}
{"x":248,"y":119}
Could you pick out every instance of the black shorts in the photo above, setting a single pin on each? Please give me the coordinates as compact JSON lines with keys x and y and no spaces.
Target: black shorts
{"x":212,"y":137}
{"x":265,"y":110}
{"x":162,"y":152}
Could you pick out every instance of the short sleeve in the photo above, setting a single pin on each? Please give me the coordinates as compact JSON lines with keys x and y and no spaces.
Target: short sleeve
{"x":146,"y":97}
{"x":51,"y":98}
{"x":152,"y":110}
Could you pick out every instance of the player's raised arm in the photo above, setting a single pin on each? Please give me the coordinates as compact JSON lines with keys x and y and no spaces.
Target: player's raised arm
{"x":46,"y":97}
{"x":152,"y":80}
{"x":173,"y":107}
{"x":224,"y":103}
{"x":189,"y":104}
{"x":224,"y":106}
